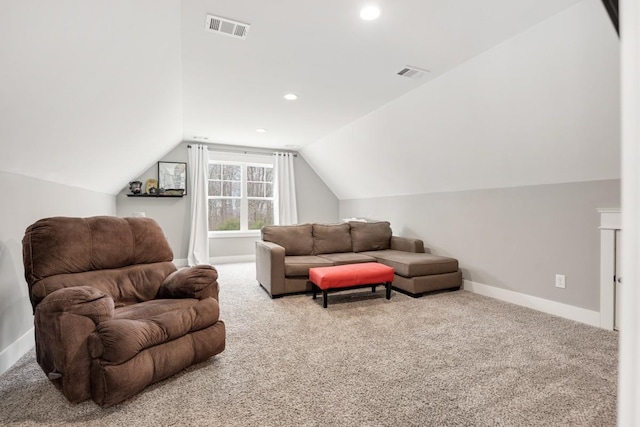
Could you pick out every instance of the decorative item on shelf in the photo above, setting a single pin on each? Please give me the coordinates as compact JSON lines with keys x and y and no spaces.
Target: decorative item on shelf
{"x":135,"y":187}
{"x":161,"y":191}
{"x":172,"y":176}
{"x":151,"y":183}
{"x":174,"y":192}
{"x":153,"y":191}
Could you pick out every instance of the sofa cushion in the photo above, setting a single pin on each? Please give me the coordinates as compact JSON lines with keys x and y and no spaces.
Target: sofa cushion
{"x":410,"y":264}
{"x":370,"y":236}
{"x":300,"y":265}
{"x":295,"y":239}
{"x":153,"y":308}
{"x":347,"y":258}
{"x":331,"y":238}
{"x":416,"y":286}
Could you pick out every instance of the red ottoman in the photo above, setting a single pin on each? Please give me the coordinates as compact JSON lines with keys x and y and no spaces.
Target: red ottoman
{"x":350,"y":276}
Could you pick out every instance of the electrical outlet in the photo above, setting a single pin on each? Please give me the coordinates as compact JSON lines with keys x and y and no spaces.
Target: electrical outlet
{"x":560,"y":281}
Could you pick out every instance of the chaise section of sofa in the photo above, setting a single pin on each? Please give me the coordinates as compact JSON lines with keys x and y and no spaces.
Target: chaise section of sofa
{"x":286,"y":253}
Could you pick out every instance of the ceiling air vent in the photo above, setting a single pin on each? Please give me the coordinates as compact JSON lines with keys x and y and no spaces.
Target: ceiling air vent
{"x":227,"y":27}
{"x":412,"y":72}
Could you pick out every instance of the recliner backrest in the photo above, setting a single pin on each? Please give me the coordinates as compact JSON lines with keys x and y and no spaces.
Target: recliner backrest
{"x":63,"y":246}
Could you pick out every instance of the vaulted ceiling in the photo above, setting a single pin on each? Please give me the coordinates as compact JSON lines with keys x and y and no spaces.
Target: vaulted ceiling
{"x":93,"y":93}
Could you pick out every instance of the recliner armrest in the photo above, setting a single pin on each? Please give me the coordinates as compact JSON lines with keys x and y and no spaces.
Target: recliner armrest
{"x":407,"y":244}
{"x":81,"y":300}
{"x":198,"y":282}
{"x":64,"y":321}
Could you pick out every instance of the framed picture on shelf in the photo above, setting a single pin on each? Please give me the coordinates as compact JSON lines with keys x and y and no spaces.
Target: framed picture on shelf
{"x":172,"y":176}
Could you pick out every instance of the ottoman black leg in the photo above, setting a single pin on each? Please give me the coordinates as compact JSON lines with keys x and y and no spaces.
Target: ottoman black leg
{"x":314,"y":289}
{"x":324,"y":298}
{"x":373,"y":289}
{"x":388,"y":286}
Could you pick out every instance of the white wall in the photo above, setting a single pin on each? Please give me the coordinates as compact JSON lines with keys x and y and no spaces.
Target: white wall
{"x":171,"y":213}
{"x":501,"y":162}
{"x":515,"y":239}
{"x":24,"y":201}
{"x":94,"y":87}
{"x":316,"y":203}
{"x":540,"y":108}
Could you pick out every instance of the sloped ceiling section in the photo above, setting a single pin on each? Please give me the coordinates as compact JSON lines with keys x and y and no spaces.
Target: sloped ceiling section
{"x":340,"y":66}
{"x":540,"y":108}
{"x":91,"y":90}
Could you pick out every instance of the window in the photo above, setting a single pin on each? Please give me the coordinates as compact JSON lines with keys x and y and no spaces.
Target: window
{"x":240,"y":196}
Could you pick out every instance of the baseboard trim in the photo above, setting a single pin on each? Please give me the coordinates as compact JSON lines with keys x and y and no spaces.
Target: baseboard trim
{"x":570,"y":312}
{"x":232,"y":259}
{"x":15,"y":351}
{"x":183,"y":262}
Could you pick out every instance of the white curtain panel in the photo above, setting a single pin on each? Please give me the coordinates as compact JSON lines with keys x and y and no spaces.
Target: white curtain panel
{"x":199,"y":232}
{"x":286,"y":209}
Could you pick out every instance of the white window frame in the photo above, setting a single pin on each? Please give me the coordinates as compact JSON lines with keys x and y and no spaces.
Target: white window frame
{"x":244,"y":200}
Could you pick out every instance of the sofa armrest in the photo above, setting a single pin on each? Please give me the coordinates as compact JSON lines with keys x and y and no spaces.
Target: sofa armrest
{"x":198,"y":282}
{"x":407,"y":244}
{"x":270,"y":267}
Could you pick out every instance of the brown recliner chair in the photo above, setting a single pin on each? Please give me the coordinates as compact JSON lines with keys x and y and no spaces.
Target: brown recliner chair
{"x":112,"y":313}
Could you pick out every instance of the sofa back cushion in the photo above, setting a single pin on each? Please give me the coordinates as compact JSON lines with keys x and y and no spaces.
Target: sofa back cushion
{"x":331,"y":238}
{"x":370,"y":236}
{"x":295,"y":239}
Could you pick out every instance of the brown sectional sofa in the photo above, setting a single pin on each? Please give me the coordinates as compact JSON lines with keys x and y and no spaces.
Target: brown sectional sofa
{"x":285,"y":254}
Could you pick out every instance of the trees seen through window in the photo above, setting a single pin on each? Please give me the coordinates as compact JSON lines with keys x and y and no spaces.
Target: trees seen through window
{"x":240,"y":196}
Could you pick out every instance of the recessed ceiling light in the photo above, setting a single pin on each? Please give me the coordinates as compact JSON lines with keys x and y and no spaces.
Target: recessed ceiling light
{"x":261,"y":130}
{"x":291,"y":97}
{"x":369,"y":13}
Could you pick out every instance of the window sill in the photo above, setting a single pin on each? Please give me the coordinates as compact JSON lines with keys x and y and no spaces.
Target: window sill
{"x":232,"y":234}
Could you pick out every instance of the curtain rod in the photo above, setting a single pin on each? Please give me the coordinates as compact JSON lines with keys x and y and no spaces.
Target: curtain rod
{"x":240,"y":151}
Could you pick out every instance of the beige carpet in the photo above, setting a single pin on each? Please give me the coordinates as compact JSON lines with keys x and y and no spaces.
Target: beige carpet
{"x":450,"y":359}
